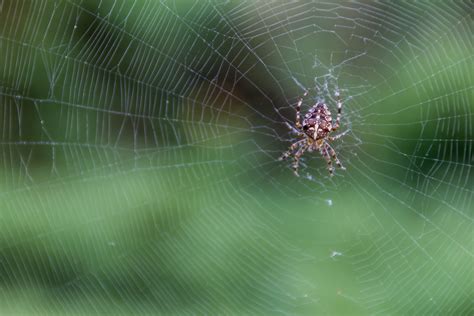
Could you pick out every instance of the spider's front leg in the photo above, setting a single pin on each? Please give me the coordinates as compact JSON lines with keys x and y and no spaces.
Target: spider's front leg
{"x":333,"y":154}
{"x":324,"y":152}
{"x":296,"y":162}
{"x":292,"y":148}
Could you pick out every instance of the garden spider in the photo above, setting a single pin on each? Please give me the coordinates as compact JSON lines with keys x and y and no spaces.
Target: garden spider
{"x":315,"y":130}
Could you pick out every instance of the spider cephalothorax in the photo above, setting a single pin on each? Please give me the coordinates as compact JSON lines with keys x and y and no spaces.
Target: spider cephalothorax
{"x":314,"y":131}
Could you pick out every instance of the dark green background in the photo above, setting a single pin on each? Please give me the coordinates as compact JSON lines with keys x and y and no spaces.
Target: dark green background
{"x":139,"y":145}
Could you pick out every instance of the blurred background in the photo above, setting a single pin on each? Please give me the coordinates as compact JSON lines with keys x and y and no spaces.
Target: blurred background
{"x":139,"y":145}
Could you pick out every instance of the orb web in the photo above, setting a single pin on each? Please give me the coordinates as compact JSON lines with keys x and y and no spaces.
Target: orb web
{"x":139,"y":163}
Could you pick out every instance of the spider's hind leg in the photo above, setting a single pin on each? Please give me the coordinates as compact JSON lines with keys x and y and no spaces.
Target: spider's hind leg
{"x":336,"y":137}
{"x":298,"y":110}
{"x":339,"y":111}
{"x":294,"y":130}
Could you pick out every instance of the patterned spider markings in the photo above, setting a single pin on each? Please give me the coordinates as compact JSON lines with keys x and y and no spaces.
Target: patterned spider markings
{"x":315,"y":132}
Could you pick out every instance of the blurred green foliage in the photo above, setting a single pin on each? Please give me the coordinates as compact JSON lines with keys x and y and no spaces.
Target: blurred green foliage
{"x":140,"y":174}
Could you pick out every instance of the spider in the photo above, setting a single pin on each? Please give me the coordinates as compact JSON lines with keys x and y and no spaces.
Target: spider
{"x":315,"y":133}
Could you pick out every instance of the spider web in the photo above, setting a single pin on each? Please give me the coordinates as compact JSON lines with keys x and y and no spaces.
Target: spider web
{"x":139,"y":166}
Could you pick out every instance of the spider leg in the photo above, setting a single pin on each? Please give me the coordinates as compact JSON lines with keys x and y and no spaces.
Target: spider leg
{"x":333,"y":154}
{"x":296,"y":162}
{"x":332,"y":138}
{"x":294,"y":130}
{"x":325,"y":154}
{"x":293,"y":146}
{"x":339,"y":111}
{"x":298,"y":110}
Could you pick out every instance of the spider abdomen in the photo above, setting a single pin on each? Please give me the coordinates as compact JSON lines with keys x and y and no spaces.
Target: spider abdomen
{"x":318,"y":120}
